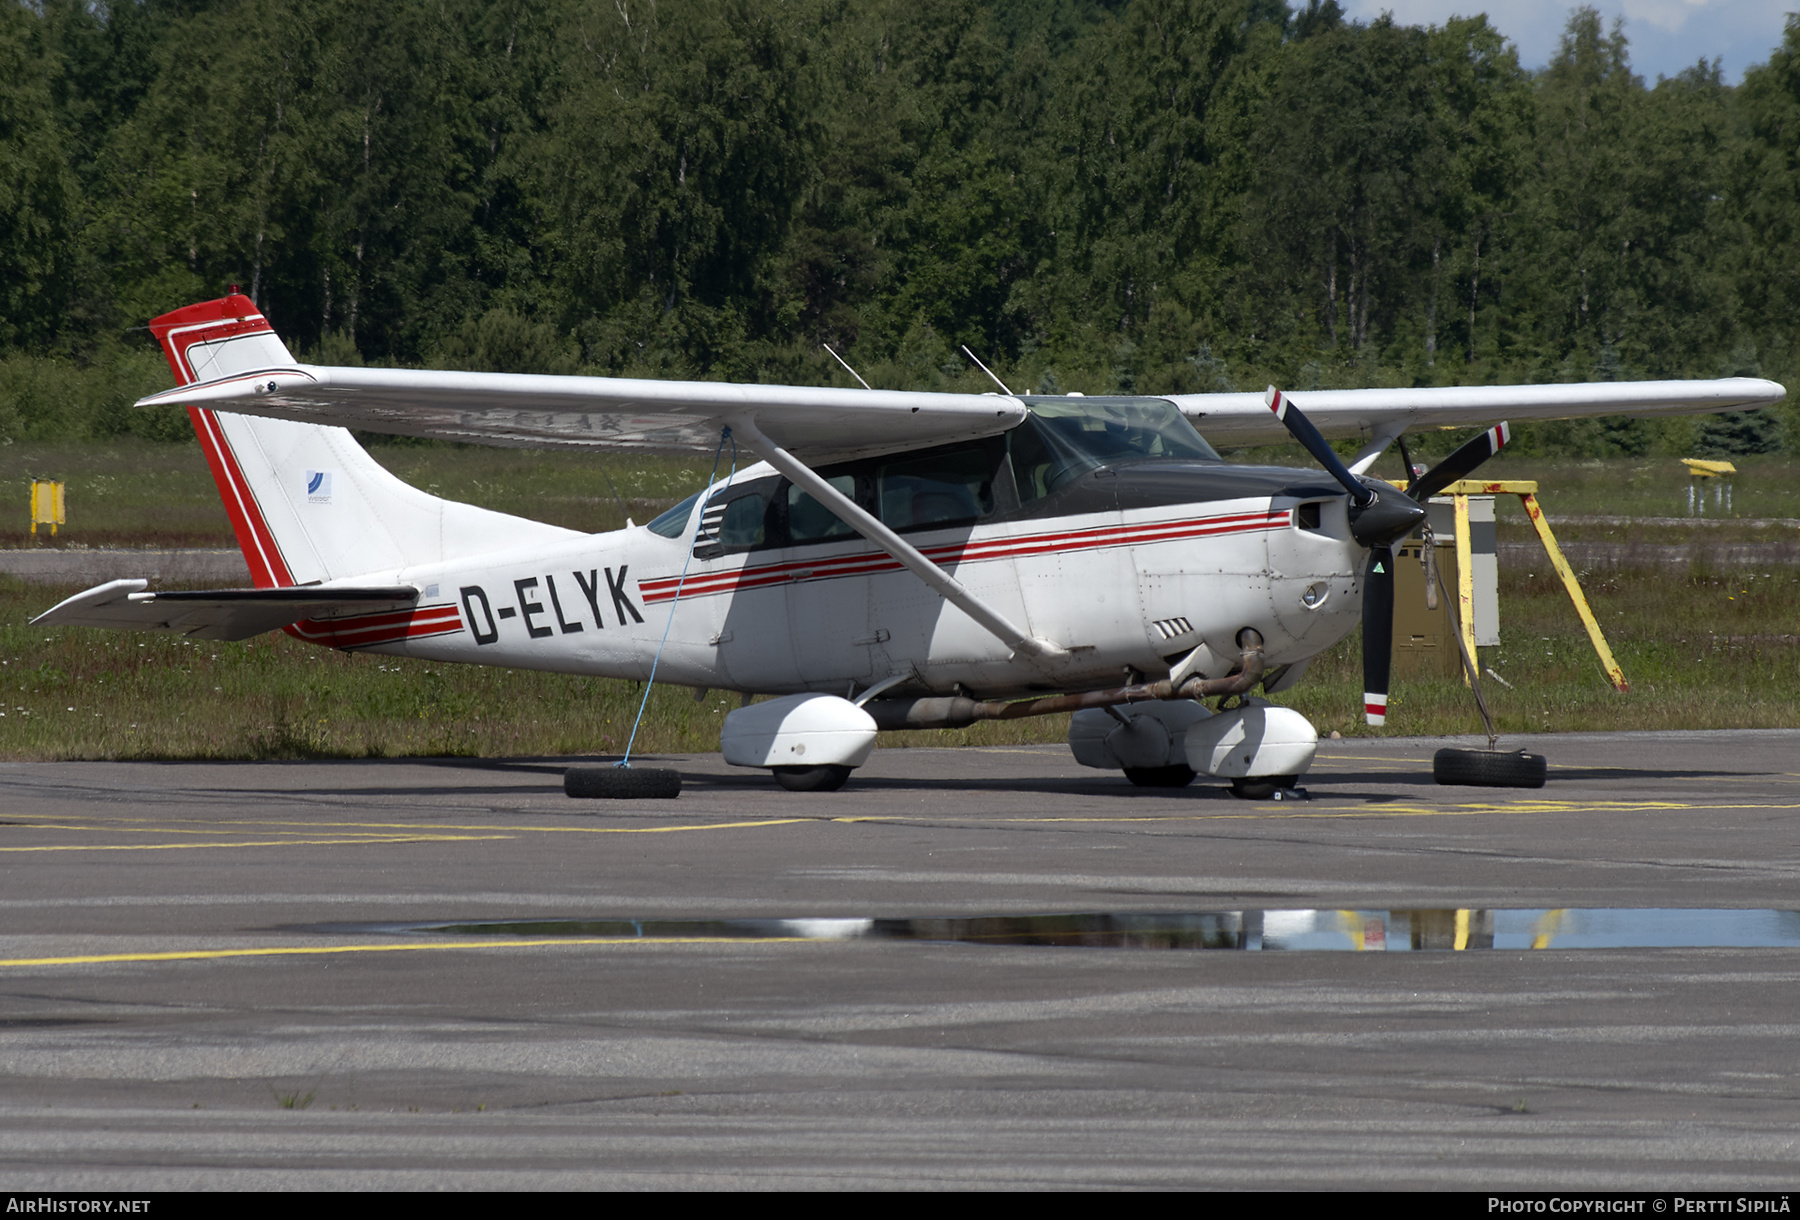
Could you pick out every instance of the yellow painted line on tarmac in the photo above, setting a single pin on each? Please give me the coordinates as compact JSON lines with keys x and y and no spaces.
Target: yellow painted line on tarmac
{"x":197,"y":955}
{"x":379,"y":834}
{"x":363,"y":841}
{"x":586,"y":830}
{"x":210,"y":825}
{"x":1362,"y":812}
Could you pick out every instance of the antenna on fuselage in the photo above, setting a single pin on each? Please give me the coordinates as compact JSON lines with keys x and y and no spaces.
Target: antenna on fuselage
{"x":847,"y":368}
{"x":984,"y":368}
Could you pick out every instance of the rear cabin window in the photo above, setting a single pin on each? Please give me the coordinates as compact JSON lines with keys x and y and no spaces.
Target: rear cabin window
{"x":810,"y":521}
{"x":737,"y":519}
{"x":937,"y":489}
{"x":674,"y":522}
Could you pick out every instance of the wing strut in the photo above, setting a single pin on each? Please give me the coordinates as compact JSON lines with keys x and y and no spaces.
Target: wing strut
{"x":864,"y":523}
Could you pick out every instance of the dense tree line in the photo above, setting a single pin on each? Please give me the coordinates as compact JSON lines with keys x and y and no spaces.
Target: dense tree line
{"x":1106,"y":195}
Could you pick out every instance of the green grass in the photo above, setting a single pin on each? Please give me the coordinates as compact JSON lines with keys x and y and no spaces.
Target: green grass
{"x":1704,"y":649}
{"x":131,"y":492}
{"x":1644,"y":487}
{"x":1649,"y":486}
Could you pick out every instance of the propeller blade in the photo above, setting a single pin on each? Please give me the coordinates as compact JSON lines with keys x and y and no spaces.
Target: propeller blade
{"x":1459,"y":464}
{"x":1379,"y":514}
{"x":1378,"y":632}
{"x":1302,"y":430}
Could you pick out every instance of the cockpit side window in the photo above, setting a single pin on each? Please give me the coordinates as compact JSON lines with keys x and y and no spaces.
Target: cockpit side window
{"x":934,"y":490}
{"x":1041,"y":461}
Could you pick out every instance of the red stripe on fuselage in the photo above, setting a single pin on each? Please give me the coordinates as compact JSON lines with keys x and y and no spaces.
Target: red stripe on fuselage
{"x":367,"y":630}
{"x":874,"y":562}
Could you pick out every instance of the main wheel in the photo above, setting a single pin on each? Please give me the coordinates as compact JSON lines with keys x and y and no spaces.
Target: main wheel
{"x":1261,"y":787}
{"x":1488,"y":768}
{"x":1180,"y":775}
{"x":622,"y":783}
{"x":811,"y":779}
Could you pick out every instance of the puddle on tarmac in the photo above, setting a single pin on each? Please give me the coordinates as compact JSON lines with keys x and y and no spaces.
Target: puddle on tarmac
{"x":1341,"y":930}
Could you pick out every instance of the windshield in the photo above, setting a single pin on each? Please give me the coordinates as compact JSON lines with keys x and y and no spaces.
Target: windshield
{"x":1063,"y":437}
{"x":1121,"y":429}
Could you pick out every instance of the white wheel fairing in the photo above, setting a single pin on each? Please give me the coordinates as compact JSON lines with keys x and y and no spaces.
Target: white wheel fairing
{"x":1257,"y":740}
{"x":798,"y":731}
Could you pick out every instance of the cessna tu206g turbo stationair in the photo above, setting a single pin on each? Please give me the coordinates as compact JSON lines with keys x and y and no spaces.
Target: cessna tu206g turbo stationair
{"x":895,"y":560}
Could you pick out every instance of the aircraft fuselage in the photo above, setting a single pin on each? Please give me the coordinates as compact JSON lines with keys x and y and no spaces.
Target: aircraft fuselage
{"x":1128,"y":566}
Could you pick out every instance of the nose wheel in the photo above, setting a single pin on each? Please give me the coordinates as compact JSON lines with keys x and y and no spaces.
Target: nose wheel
{"x":1263,"y":787}
{"x":811,"y":779}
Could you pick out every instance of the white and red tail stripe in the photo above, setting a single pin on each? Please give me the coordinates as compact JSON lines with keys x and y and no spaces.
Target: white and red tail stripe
{"x":215,"y":339}
{"x":306,"y":502}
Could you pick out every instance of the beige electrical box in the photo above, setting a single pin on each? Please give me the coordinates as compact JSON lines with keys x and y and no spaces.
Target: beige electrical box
{"x":1423,"y":643}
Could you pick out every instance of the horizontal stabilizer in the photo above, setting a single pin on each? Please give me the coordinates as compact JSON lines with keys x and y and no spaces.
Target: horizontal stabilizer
{"x":218,"y":614}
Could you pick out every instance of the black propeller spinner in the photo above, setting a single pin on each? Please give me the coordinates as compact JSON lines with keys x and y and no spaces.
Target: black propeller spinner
{"x":1380,"y":516}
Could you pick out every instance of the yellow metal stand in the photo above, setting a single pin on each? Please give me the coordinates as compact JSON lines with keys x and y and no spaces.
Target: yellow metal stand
{"x":1465,"y":578}
{"x":1526,"y":490}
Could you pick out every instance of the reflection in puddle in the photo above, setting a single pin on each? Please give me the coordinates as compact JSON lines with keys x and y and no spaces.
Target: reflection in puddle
{"x":1567,"y":928}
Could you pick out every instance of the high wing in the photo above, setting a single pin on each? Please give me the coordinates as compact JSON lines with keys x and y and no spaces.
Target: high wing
{"x":217,"y":614}
{"x":819,"y":423}
{"x":1245,"y":419}
{"x":815,"y":422}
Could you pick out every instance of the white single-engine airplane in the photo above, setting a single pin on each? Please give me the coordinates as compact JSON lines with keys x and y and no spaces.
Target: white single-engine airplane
{"x":895,"y":560}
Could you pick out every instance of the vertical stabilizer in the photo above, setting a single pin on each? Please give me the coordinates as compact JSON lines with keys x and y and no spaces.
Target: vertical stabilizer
{"x":307,"y":502}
